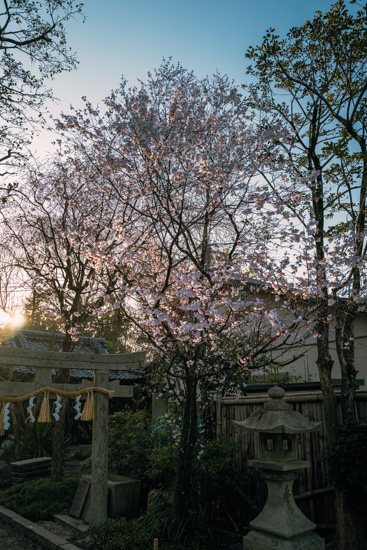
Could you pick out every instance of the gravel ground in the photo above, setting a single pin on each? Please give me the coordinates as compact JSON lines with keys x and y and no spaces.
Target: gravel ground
{"x":12,"y":539}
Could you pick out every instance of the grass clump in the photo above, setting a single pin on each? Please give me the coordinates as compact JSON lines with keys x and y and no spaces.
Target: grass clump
{"x":37,"y":497}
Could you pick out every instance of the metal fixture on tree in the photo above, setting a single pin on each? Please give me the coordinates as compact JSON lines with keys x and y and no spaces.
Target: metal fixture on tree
{"x":280,"y":525}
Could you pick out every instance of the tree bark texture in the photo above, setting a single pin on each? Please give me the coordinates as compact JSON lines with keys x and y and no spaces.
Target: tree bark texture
{"x":185,"y":491}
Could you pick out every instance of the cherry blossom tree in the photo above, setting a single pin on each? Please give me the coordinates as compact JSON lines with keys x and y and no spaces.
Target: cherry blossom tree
{"x":46,"y":223}
{"x":180,"y":156}
{"x":313,"y":83}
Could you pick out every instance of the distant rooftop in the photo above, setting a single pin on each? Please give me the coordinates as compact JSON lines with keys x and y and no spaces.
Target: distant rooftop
{"x":51,"y":341}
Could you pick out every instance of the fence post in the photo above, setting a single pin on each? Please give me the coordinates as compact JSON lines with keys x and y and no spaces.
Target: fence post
{"x":218,"y":415}
{"x":99,"y":489}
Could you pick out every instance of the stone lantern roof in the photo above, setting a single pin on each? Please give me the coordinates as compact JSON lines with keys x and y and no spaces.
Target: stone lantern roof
{"x":277,"y":417}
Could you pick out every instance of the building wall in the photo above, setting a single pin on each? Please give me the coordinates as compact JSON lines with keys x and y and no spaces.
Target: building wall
{"x":305,"y":367}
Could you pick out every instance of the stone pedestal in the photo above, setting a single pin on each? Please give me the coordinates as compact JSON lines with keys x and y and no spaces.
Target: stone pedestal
{"x":123,"y":497}
{"x":281,"y":524}
{"x":256,"y":540}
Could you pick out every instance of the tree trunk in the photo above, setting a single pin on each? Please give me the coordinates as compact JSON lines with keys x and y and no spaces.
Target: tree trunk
{"x":351,"y":527}
{"x":325,"y":365}
{"x":185,"y":491}
{"x":58,"y":443}
{"x":344,"y":337}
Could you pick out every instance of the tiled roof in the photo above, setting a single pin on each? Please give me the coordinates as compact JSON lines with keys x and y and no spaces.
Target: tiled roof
{"x":48,"y":341}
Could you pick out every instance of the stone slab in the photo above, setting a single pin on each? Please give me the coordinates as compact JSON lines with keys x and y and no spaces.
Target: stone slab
{"x":80,"y":498}
{"x":279,"y":466}
{"x":85,"y":515}
{"x":31,"y":470}
{"x":256,"y":540}
{"x":6,"y":514}
{"x":31,"y":462}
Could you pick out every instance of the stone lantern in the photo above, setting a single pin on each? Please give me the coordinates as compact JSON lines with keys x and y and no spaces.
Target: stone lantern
{"x":280,"y":525}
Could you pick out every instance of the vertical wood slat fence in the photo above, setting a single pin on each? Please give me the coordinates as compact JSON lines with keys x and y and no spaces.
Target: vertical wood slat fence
{"x":313,"y":491}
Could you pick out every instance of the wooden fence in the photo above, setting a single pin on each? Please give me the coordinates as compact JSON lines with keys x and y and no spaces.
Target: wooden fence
{"x":312,"y":491}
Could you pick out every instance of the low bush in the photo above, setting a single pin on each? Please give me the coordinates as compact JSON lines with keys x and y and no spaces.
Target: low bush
{"x":129,"y":442}
{"x":139,"y":534}
{"x":119,"y":534}
{"x":39,"y":497}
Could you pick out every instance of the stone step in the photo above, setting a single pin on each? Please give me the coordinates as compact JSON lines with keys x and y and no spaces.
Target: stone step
{"x":30,"y":463}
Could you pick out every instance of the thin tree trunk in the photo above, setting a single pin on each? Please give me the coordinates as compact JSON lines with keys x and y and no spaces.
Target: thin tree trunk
{"x":344,"y":337}
{"x":58,"y":443}
{"x":325,"y":366}
{"x":59,"y":428}
{"x":185,"y":489}
{"x":351,"y":527}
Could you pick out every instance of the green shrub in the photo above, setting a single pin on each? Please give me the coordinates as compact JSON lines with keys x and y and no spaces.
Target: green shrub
{"x":142,"y":450}
{"x":226,"y":491}
{"x":129,"y":442}
{"x":120,"y":534}
{"x":347,"y":462}
{"x":149,"y":452}
{"x":31,"y":498}
{"x":139,"y":534}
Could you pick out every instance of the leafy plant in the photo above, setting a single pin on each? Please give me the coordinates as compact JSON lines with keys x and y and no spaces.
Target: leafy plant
{"x":150,"y":452}
{"x":129,"y":442}
{"x":118,"y":534}
{"x":40,"y":443}
{"x":31,"y":498}
{"x":189,"y":534}
{"x":347,"y":462}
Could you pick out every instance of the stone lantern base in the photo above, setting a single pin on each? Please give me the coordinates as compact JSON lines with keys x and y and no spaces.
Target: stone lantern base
{"x":256,"y":540}
{"x":281,"y":525}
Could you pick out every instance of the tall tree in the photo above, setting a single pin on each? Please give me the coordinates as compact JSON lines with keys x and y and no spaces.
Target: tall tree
{"x":32,"y":49}
{"x":179,"y":153}
{"x":313,"y":84}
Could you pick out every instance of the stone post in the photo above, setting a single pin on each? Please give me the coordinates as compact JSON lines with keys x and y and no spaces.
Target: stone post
{"x":99,"y":483}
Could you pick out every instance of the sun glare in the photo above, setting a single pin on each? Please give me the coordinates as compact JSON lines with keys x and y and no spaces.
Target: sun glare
{"x":12,"y":321}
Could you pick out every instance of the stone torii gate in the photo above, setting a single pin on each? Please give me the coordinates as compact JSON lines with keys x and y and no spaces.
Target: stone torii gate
{"x":45,"y":362}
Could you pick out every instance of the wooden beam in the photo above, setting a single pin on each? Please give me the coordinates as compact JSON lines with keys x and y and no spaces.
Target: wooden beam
{"x":57,"y":360}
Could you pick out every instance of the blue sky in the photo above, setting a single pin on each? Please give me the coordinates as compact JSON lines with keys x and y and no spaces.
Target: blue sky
{"x":130,"y":38}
